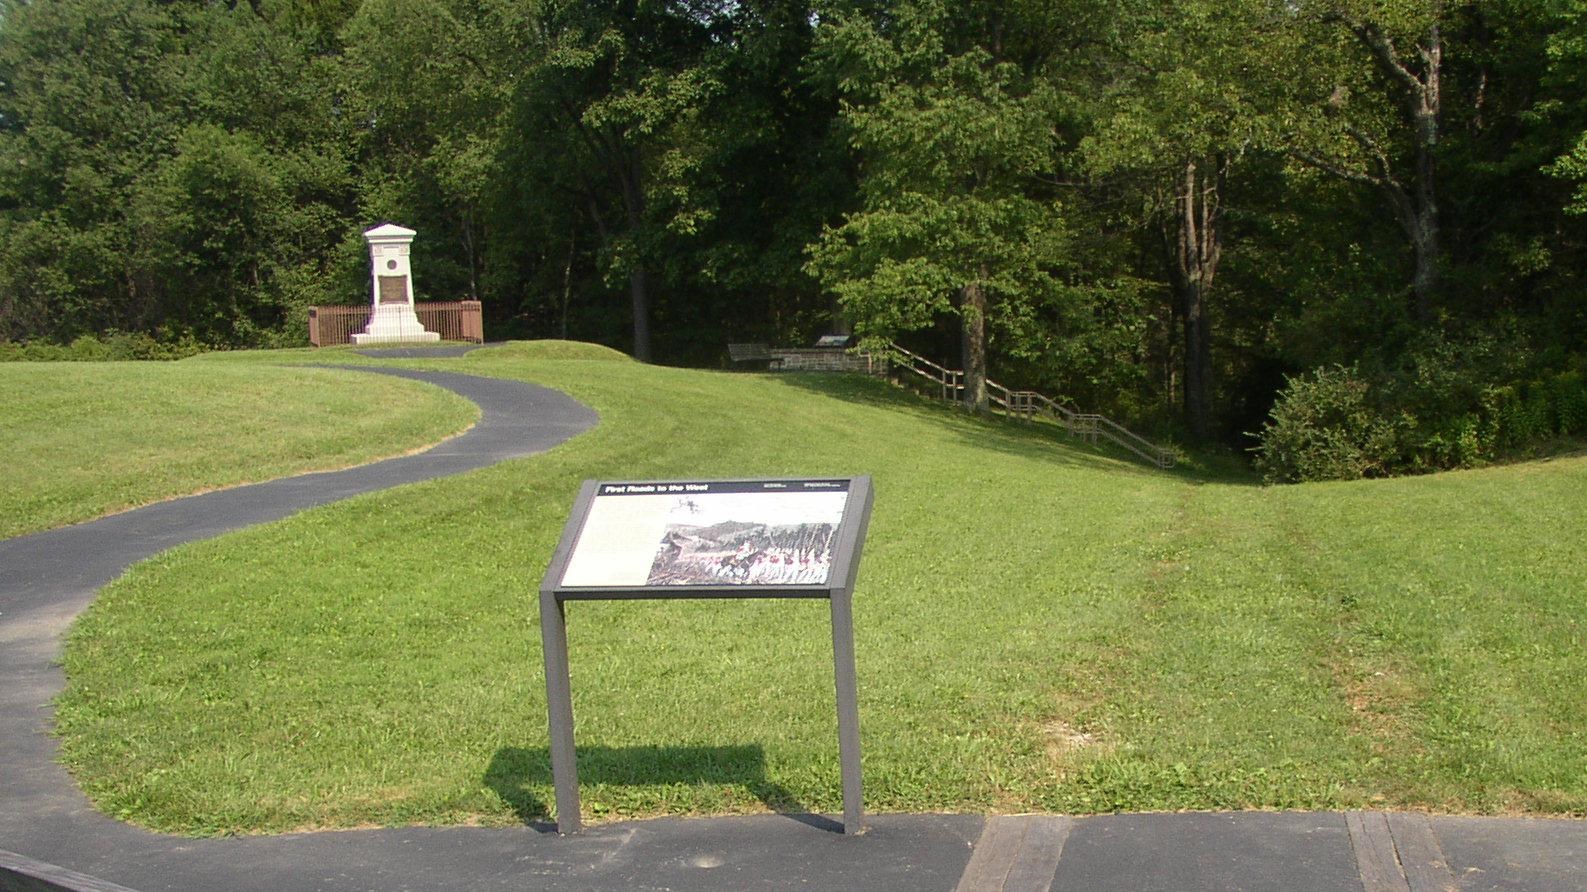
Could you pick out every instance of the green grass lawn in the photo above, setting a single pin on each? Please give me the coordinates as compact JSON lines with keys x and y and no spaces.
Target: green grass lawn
{"x":85,"y":439}
{"x":1040,"y":626}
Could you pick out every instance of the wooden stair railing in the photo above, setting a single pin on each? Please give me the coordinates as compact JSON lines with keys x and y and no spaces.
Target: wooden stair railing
{"x":1028,"y":404}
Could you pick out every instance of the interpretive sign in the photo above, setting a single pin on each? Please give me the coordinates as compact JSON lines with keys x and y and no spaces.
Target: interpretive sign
{"x":707,"y":539}
{"x":739,"y":533}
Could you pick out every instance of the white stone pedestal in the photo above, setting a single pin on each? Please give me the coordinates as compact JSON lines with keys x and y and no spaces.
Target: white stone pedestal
{"x":394,"y":325}
{"x":393,"y":320}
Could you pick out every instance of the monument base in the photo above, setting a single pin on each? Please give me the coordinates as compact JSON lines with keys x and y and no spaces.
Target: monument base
{"x":394,"y":324}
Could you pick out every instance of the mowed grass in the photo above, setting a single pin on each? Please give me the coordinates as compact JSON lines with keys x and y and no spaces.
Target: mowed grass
{"x":1039,"y":627}
{"x":85,"y":439}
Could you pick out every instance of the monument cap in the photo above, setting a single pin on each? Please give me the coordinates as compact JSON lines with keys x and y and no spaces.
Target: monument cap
{"x":389,"y":231}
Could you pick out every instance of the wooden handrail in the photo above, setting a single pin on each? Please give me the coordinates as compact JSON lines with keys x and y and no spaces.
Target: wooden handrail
{"x":452,"y":320}
{"x":917,"y":358}
{"x":949,"y":380}
{"x":1028,"y":404}
{"x":1134,"y":442}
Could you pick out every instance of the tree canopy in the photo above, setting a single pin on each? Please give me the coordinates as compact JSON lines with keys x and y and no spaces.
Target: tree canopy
{"x":1182,"y":213}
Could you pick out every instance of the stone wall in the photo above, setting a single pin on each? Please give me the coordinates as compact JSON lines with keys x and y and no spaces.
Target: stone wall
{"x":823,"y":359}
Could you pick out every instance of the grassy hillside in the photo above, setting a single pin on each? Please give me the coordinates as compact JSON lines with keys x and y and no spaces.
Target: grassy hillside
{"x":85,"y":439}
{"x":1040,"y":627}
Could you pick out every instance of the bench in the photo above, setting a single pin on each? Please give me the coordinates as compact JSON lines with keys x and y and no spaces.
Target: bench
{"x":749,"y":353}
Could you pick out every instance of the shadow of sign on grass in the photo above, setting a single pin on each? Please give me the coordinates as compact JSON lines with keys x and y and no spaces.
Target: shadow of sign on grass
{"x":516,"y":773}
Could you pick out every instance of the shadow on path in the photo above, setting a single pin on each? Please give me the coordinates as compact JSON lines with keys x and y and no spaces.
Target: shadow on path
{"x":515,"y":771}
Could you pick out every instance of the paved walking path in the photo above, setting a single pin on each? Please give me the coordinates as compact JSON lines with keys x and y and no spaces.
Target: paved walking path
{"x":48,"y":578}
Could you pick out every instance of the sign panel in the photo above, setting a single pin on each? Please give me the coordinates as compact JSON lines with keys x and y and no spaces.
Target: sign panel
{"x":707,"y":539}
{"x":760,"y":533}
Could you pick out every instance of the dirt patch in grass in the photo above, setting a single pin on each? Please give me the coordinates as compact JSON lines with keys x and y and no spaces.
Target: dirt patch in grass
{"x":1063,"y":738}
{"x":1380,"y":695}
{"x":1069,"y":747}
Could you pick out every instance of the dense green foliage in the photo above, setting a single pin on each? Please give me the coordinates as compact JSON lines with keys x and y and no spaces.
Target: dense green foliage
{"x":1323,"y":428}
{"x":949,"y":223}
{"x":1161,"y":210}
{"x":1436,"y":411}
{"x":1039,"y":626}
{"x":113,"y":346}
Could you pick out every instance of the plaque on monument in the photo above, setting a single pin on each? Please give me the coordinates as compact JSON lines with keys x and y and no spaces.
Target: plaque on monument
{"x":393,"y":290}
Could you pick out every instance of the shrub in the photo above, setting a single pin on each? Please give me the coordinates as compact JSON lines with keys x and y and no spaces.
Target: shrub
{"x":1570,"y":403}
{"x":1448,"y":403}
{"x":110,"y":347}
{"x":1323,"y":427}
{"x":1541,"y":409}
{"x":1439,"y":387}
{"x":1460,"y":442}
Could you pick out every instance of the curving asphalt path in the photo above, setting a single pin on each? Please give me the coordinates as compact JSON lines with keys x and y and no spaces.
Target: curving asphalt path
{"x":48,"y":578}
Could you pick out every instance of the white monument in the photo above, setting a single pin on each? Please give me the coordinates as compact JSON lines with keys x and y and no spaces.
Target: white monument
{"x":393,"y":320}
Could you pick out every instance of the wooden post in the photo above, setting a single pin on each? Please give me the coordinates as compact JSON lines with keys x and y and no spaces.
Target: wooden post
{"x":473,"y":322}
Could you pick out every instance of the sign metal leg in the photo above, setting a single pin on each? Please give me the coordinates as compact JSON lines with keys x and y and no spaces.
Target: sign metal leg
{"x":559,"y":706}
{"x":848,"y":710}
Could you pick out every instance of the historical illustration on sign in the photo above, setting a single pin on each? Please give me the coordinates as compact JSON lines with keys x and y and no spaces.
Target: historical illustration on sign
{"x":732,"y":539}
{"x":752,"y":534}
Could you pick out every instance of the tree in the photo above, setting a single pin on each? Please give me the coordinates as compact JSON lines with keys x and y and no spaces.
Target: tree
{"x":207,"y":222}
{"x":1567,"y":75}
{"x":1355,"y":139}
{"x":951,"y":147}
{"x":1190,"y":99}
{"x":263,"y":176}
{"x":774,"y":167}
{"x":433,"y":143}
{"x":166,"y":167}
{"x":616,"y":89}
{"x":87,"y":94}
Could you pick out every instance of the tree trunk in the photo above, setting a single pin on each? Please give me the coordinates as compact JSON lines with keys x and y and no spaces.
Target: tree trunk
{"x":567,"y":282}
{"x":1414,"y":200}
{"x":469,"y":251}
{"x":972,"y":313}
{"x":1424,"y":282}
{"x":1198,"y":364}
{"x":639,"y":295}
{"x":1424,"y":108}
{"x":1416,"y":206}
{"x":638,"y":278}
{"x":841,"y":322}
{"x":1197,"y":247}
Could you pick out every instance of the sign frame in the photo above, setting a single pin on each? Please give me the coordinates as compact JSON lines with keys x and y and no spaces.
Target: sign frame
{"x":838,"y":589}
